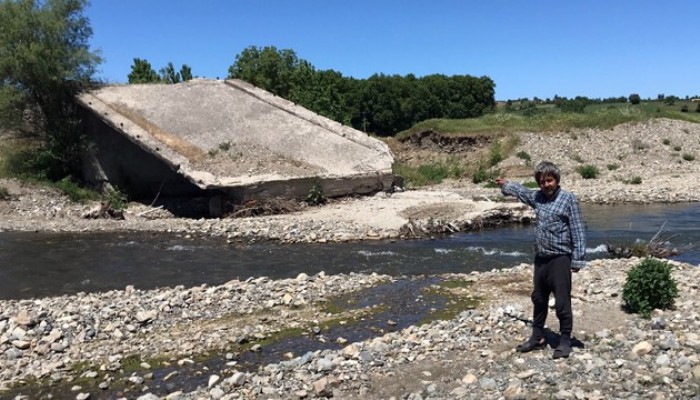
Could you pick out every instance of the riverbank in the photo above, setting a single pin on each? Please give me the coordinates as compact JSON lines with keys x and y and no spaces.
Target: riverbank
{"x":85,"y":340}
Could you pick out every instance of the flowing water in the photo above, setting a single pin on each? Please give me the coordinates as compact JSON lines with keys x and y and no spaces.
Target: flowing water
{"x":48,"y":264}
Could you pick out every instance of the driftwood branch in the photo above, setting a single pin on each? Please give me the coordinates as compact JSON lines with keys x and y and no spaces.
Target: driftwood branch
{"x":658,"y":246}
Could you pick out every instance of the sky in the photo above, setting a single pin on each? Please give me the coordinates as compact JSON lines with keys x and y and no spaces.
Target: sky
{"x":529,"y":48}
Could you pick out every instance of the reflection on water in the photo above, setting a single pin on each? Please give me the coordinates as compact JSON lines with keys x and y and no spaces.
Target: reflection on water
{"x":43,"y":264}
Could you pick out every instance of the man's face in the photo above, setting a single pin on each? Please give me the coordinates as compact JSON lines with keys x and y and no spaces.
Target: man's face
{"x":548,"y":185}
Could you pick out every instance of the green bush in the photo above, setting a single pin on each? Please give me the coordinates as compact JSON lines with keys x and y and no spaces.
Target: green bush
{"x":495,"y":154}
{"x":4,"y":193}
{"x":531,"y":185}
{"x":677,"y":148}
{"x":523,"y":155}
{"x":115,"y":199}
{"x":316,"y":196}
{"x":636,"y":180}
{"x":666,"y":142}
{"x":613,"y":167}
{"x":688,"y":157}
{"x":649,"y":286}
{"x":588,"y":171}
{"x":482,"y":174}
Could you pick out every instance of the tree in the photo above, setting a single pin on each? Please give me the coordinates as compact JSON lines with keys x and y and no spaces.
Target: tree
{"x":45,"y":61}
{"x":142,"y":72}
{"x":168,"y":74}
{"x":635,"y":99}
{"x":185,"y":73}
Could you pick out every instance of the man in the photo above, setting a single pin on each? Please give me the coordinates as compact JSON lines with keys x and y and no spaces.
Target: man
{"x":560,"y":248}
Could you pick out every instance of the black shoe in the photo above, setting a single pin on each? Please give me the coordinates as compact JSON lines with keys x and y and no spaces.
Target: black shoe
{"x":530,"y":345}
{"x":562,"y":351}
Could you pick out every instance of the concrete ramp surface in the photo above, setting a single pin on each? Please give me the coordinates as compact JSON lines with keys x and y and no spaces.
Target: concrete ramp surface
{"x":224,"y":137}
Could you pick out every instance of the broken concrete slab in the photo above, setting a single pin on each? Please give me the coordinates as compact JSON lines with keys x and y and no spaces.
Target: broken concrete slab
{"x":225,"y":137}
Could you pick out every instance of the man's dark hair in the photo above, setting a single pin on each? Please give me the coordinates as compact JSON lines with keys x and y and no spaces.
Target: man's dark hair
{"x":547,"y":168}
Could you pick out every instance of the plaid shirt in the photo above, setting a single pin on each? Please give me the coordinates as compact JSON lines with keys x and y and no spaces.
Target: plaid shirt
{"x":559,"y":227}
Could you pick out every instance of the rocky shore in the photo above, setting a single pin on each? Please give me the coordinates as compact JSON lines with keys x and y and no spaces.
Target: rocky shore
{"x":86,"y":341}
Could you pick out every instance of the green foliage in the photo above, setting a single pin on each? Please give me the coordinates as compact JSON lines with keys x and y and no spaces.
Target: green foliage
{"x":74,"y":191}
{"x":635,"y":99}
{"x":531,"y":184}
{"x":45,"y":60}
{"x":613,"y":167}
{"x":142,"y":72}
{"x":482,"y":174}
{"x":588,"y":171}
{"x":523,"y":155}
{"x":316,"y":196}
{"x":688,"y":157}
{"x":677,"y":148}
{"x":649,"y":286}
{"x":429,"y":174}
{"x":115,"y":199}
{"x":185,"y":73}
{"x":169,"y":75}
{"x":666,"y":142}
{"x":381,"y":104}
{"x":495,"y":153}
{"x":637,"y":180}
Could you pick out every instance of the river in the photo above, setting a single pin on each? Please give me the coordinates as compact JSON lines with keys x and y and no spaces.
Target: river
{"x":50,"y":264}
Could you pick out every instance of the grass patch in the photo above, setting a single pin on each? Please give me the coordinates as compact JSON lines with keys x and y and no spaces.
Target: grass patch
{"x":531,"y":185}
{"x":429,"y":174}
{"x":551,"y":119}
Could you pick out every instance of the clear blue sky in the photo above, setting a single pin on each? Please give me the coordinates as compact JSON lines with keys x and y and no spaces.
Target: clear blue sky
{"x":542,"y":48}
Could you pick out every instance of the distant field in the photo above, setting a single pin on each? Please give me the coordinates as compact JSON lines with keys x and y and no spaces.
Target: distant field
{"x":548,"y":118}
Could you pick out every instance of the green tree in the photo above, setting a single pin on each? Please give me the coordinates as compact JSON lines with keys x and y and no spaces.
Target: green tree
{"x":45,"y":61}
{"x":169,"y":75}
{"x":185,"y":73}
{"x":635,"y":99}
{"x":142,"y":72}
{"x":266,"y":68}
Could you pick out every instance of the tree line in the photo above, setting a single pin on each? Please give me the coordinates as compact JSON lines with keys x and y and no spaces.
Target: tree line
{"x":381,"y":104}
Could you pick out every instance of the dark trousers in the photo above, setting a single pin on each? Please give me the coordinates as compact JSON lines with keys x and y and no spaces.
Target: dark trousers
{"x":552,"y":275}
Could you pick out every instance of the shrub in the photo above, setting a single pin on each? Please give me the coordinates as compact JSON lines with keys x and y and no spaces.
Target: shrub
{"x":4,"y":193}
{"x":613,"y":167}
{"x":649,"y":286}
{"x":635,"y":99}
{"x":316,"y":196}
{"x":588,"y":171}
{"x":482,"y":174}
{"x":636,"y":180}
{"x":688,"y":157}
{"x":523,"y":155}
{"x":495,"y":154}
{"x":666,"y":142}
{"x":677,"y":148}
{"x":684,"y":108}
{"x":115,"y":199}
